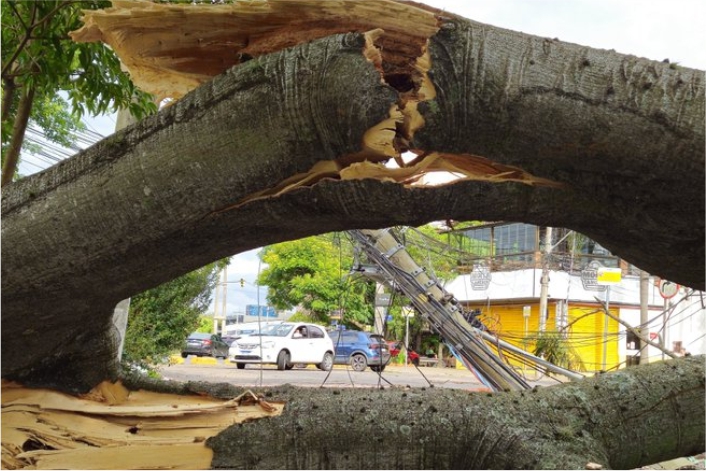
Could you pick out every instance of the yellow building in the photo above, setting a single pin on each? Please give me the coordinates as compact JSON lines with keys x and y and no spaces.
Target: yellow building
{"x":503,"y":284}
{"x":588,"y":333}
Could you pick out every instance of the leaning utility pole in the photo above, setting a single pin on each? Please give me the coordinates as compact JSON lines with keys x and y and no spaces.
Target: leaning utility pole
{"x":466,"y":336}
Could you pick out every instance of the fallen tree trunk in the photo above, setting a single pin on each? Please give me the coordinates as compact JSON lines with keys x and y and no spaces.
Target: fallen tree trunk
{"x":275,"y":149}
{"x":619,"y":420}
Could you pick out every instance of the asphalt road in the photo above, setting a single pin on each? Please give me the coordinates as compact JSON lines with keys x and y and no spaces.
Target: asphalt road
{"x":341,"y":376}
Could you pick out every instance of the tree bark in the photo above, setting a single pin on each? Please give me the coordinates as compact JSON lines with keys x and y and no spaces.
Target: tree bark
{"x":12,"y":156}
{"x":620,"y":420}
{"x":611,"y":136}
{"x":8,"y":96}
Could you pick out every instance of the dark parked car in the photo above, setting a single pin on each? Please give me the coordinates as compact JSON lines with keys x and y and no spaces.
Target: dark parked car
{"x":201,"y":344}
{"x":360,"y":349}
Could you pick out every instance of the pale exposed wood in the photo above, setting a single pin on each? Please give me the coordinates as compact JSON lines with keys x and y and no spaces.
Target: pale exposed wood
{"x":171,"y":49}
{"x":113,"y":428}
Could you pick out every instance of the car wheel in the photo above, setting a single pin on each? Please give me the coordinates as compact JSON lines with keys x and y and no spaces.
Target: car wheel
{"x":282,"y":360}
{"x":359,"y":362}
{"x":184,"y":354}
{"x":289,"y":366}
{"x":241,"y":366}
{"x":326,"y":363}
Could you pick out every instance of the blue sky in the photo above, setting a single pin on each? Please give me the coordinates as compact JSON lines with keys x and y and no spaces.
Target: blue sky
{"x":672,"y":29}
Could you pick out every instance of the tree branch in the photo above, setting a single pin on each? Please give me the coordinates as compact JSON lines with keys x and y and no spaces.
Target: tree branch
{"x":23,"y":42}
{"x":19,"y":127}
{"x":29,"y":29}
{"x":8,"y":97}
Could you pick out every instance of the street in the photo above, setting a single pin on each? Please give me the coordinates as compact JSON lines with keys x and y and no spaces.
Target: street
{"x":341,"y":376}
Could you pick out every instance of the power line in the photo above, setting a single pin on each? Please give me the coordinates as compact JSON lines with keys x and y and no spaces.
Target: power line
{"x":49,"y":152}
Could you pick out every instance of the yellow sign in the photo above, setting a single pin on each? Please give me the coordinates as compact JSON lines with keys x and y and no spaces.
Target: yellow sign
{"x":609,"y":276}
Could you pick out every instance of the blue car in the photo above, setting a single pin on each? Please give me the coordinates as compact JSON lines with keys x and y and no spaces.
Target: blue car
{"x":360,"y":349}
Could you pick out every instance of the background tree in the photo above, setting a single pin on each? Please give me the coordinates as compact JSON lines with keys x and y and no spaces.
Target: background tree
{"x":42,"y":68}
{"x":161,"y":318}
{"x":205,"y":323}
{"x":310,"y":273}
{"x":431,"y":249}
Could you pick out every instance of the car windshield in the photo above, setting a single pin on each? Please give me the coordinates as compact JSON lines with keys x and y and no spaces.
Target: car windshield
{"x":279,"y":330}
{"x":199,"y":336}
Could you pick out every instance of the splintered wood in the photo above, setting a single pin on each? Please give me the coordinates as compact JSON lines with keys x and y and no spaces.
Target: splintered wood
{"x":170,"y":49}
{"x":113,"y":428}
{"x":169,"y":56}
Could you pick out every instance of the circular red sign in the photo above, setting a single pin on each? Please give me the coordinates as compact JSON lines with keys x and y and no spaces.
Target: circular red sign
{"x":667,"y":289}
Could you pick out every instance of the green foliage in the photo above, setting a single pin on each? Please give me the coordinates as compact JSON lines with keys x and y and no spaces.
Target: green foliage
{"x":161,"y":318}
{"x":397,"y":327}
{"x":309,"y":273}
{"x":430,"y":249}
{"x":205,"y":324}
{"x":553,"y":347}
{"x":301,"y":316}
{"x":37,"y":53}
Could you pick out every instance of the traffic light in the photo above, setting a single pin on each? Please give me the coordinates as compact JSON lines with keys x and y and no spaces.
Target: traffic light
{"x":242,"y":283}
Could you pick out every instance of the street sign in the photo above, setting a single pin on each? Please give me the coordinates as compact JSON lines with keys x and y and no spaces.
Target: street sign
{"x":253,"y":310}
{"x":480,"y":277}
{"x":382,"y":299}
{"x":589,"y":277}
{"x":608,"y":276}
{"x":667,"y":289}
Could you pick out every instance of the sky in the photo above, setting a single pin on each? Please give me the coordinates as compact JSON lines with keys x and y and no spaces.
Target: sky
{"x":664,"y":29}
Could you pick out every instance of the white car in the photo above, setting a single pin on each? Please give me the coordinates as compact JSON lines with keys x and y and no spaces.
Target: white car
{"x":285,"y":345}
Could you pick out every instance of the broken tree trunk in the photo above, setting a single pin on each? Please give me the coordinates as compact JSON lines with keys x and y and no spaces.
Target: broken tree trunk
{"x":285,"y":145}
{"x":619,"y":420}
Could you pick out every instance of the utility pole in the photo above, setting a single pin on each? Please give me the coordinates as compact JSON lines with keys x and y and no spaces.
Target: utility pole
{"x":122,"y":309}
{"x":544,"y":280}
{"x":644,"y":297}
{"x":219,"y":308}
{"x":381,"y":305}
{"x":216,"y":307}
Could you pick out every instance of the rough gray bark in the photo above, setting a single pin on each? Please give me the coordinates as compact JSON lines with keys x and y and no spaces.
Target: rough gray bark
{"x":621,"y":420}
{"x":156,"y":200}
{"x":624,"y":135}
